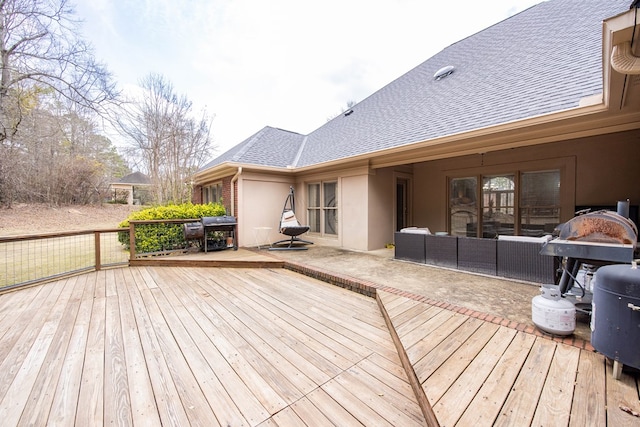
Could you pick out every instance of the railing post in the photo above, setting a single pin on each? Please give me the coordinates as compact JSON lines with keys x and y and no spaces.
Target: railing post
{"x":132,"y":241}
{"x":96,"y":241}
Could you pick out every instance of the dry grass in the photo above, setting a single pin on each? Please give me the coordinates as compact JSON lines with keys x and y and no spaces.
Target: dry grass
{"x":23,"y":261}
{"x":28,"y":260}
{"x":39,"y":218}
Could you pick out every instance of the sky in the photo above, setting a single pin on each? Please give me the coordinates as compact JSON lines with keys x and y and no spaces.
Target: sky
{"x":289,"y":64}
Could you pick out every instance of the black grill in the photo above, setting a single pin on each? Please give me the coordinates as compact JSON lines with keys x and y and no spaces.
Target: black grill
{"x":226,"y":224}
{"x":204,"y":230}
{"x":594,"y":238}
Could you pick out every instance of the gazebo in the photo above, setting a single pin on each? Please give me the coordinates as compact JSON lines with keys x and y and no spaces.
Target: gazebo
{"x":132,"y":187}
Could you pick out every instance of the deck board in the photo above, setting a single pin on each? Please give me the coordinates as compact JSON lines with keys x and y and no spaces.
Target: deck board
{"x":14,"y":305}
{"x":438,"y":338}
{"x":554,"y":405}
{"x":336,"y":413}
{"x":193,"y":377}
{"x":289,"y":340}
{"x":439,"y":381}
{"x":310,"y":414}
{"x":440,"y":353}
{"x":417,"y":341}
{"x":144,"y":409}
{"x":65,"y":396}
{"x":332,"y":355}
{"x":45,"y":352}
{"x":231,"y":367}
{"x":19,"y":331}
{"x":328,"y":316}
{"x":312,"y":323}
{"x":622,"y":392}
{"x":378,"y":397}
{"x":167,"y":396}
{"x":361,"y":408}
{"x":90,"y":397}
{"x":487,"y":403}
{"x":522,"y":399}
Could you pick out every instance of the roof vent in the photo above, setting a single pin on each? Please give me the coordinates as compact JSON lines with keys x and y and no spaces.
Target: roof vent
{"x":444,"y":72}
{"x":348,"y":112}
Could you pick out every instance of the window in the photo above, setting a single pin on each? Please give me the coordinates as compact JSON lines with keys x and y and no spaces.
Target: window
{"x":212,"y":193}
{"x":523,"y":203}
{"x":322,"y":209}
{"x":498,"y":205}
{"x":539,"y":202}
{"x":463,"y":208}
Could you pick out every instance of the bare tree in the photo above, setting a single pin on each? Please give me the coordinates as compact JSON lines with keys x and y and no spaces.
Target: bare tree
{"x":168,"y":141}
{"x":58,"y":157}
{"x":42,"y":59}
{"x":40,"y":51}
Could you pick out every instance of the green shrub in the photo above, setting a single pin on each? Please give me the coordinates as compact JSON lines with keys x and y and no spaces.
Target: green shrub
{"x":164,"y":237}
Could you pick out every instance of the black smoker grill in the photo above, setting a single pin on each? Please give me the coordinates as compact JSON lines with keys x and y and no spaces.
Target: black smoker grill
{"x":595,"y":238}
{"x":209,"y":224}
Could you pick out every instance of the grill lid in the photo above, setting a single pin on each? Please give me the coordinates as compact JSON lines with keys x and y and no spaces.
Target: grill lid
{"x":598,"y":236}
{"x":602,"y":227}
{"x":209,"y":221}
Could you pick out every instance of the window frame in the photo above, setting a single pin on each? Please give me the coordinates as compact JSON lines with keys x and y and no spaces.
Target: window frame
{"x":565,"y":165}
{"x":208,"y":190}
{"x":321,"y":211}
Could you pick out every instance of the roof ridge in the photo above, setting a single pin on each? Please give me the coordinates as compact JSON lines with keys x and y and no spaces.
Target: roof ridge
{"x":300,"y":150}
{"x":250,"y":142}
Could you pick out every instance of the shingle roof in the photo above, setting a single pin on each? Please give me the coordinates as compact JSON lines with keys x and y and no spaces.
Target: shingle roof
{"x":542,"y":60}
{"x":268,"y":147}
{"x":135,"y":178}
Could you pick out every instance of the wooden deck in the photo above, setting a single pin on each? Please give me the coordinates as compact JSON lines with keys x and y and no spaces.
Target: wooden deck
{"x":198,"y":346}
{"x":189,"y":345}
{"x":477,"y":373}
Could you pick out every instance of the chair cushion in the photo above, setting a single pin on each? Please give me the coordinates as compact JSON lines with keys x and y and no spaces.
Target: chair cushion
{"x":294,"y":230}
{"x":289,"y":219}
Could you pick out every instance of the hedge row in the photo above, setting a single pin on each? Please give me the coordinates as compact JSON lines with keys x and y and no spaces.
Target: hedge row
{"x":165,"y":237}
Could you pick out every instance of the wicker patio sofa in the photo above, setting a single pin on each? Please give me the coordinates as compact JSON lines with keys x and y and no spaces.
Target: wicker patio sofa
{"x":409,"y":244}
{"x":512,"y":257}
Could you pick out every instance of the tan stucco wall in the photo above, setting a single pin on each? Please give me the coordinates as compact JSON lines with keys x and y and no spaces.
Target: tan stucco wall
{"x":607,"y":169}
{"x":260,"y":202}
{"x":353,"y":212}
{"x":381,"y":208}
{"x":365,"y":207}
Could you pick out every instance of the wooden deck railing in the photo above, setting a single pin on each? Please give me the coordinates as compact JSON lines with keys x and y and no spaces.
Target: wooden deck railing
{"x":35,"y":258}
{"x":29,"y":259}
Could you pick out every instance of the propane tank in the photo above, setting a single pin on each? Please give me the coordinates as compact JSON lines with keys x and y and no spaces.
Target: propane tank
{"x":551,"y":313}
{"x":587,"y":277}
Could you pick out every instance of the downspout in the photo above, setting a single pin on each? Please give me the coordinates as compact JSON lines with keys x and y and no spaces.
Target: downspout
{"x":623,"y":60}
{"x":233,"y":181}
